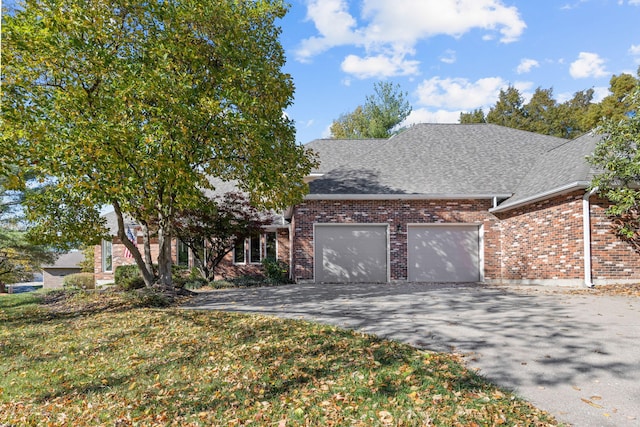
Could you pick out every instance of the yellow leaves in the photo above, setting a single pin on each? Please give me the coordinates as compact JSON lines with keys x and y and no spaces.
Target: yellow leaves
{"x":385,"y":417}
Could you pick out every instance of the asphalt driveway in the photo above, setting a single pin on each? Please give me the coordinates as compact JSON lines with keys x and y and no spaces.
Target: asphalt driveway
{"x":576,"y":356}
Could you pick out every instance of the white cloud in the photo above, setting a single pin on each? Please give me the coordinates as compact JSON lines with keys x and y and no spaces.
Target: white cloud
{"x":459,"y":93}
{"x":394,"y":28}
{"x":526,"y":65}
{"x":635,"y":48}
{"x":423,"y":115}
{"x":599,"y":93}
{"x":588,"y":65}
{"x":449,"y":56}
{"x":378,"y":66}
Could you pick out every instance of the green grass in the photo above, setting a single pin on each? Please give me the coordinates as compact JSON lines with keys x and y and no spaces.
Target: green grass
{"x":101,"y":359}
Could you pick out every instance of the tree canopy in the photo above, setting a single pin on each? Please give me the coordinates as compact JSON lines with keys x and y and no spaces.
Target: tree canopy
{"x":381,"y":113}
{"x":543,"y":114}
{"x":617,"y":156}
{"x":136,"y":104}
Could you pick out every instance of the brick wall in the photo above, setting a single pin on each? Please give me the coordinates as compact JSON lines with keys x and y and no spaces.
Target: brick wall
{"x":394,"y":213}
{"x":612,"y":259}
{"x":543,"y":240}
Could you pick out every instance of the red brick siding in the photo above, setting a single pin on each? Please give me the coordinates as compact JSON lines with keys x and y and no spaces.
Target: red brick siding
{"x":544,"y":240}
{"x":611,"y":258}
{"x":394,"y":213}
{"x":226,"y":268}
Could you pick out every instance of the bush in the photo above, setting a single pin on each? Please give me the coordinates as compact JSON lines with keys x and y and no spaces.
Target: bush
{"x":277,"y":271}
{"x":128,"y":277}
{"x":79,"y":281}
{"x":148,"y":297}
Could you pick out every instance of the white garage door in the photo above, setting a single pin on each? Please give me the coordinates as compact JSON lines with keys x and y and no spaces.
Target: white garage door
{"x":351,"y":253}
{"x":443,"y":253}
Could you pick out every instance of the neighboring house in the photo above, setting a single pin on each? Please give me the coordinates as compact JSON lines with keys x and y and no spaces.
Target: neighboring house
{"x":446,"y":203}
{"x":53,"y":274}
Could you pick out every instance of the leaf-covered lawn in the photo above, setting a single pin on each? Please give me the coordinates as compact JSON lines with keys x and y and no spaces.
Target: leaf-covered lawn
{"x":101,"y":360}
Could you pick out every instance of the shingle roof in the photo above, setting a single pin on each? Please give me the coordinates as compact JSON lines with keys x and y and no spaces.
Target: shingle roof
{"x":68,"y":260}
{"x":431,"y":159}
{"x":564,"y":166}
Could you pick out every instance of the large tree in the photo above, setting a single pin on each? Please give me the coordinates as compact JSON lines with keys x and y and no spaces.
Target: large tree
{"x":617,"y":155}
{"x":136,"y":103}
{"x":381,"y":113}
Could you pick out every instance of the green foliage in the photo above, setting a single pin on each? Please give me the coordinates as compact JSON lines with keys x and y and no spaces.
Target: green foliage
{"x":476,"y":116}
{"x":19,"y":258}
{"x":136,"y":105}
{"x":128,"y":277}
{"x":277,"y":271}
{"x":617,"y":155}
{"x":381,"y":113}
{"x":88,"y":264}
{"x":79,"y":281}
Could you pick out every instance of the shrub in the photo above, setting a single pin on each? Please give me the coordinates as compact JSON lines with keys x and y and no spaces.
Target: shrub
{"x":128,"y":277}
{"x":79,"y":281}
{"x":148,"y":297}
{"x":277,"y":271}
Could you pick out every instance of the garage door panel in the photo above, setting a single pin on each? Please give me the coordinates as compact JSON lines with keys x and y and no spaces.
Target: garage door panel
{"x":351,"y":254}
{"x":443,"y":253}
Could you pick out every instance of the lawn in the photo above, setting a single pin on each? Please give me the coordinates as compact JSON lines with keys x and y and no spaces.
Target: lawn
{"x":105,"y":359}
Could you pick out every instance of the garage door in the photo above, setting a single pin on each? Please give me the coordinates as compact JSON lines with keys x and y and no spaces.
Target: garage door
{"x":443,"y":253}
{"x":351,"y":253}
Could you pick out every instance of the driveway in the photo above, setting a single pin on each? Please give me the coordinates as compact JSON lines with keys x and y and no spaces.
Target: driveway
{"x":575,"y":356}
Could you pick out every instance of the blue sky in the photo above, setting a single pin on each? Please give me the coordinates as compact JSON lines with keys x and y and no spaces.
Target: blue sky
{"x":451,"y":56}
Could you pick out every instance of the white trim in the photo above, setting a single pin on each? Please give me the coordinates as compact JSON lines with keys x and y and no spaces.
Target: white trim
{"x":586,"y":229}
{"x":102,"y":260}
{"x":312,"y":177}
{"x":351,"y":224}
{"x":578,"y":185}
{"x":443,"y":196}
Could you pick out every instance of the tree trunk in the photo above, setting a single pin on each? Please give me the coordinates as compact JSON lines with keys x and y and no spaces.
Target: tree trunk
{"x":164,"y":256}
{"x":147,"y":274}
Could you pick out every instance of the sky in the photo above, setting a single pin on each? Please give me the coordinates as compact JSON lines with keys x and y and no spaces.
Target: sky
{"x":450,"y":56}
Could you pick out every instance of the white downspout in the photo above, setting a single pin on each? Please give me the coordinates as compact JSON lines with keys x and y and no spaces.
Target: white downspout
{"x":586,"y":228}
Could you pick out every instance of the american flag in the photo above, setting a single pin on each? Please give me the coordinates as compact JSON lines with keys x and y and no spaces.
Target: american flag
{"x":130,"y":236}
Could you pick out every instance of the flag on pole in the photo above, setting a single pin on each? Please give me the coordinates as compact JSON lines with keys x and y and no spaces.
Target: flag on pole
{"x":130,"y":236}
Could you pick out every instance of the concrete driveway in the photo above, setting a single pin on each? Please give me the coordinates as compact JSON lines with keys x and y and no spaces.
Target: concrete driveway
{"x":575,"y":356}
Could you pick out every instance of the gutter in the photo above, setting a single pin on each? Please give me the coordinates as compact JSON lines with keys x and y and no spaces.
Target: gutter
{"x":586,"y":228}
{"x":404,"y":196}
{"x":541,"y":196}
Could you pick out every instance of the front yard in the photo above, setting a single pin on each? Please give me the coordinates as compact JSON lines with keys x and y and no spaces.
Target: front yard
{"x":105,"y":359}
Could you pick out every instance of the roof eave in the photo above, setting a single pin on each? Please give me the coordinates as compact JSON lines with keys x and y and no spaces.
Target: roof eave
{"x":401,"y":196}
{"x":558,"y":191}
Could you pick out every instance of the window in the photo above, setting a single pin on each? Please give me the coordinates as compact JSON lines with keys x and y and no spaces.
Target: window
{"x":107,"y":257}
{"x":183,"y":254}
{"x":271,"y":248}
{"x":238,"y":252}
{"x":254,"y":249}
{"x":257,"y":248}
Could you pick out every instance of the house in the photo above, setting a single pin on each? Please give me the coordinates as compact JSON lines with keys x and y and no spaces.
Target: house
{"x":448,"y":203}
{"x":53,"y":274}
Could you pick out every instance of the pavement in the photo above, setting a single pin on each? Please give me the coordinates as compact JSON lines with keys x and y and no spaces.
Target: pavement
{"x":575,"y":356}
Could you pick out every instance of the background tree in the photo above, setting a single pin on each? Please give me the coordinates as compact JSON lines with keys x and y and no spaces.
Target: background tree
{"x":136,"y":104}
{"x":19,"y":258}
{"x":212,"y":229}
{"x":476,"y":116}
{"x":617,"y":155}
{"x":616,"y":105}
{"x":508,"y":110}
{"x":377,"y":118}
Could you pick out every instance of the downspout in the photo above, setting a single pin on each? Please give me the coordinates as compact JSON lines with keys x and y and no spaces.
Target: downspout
{"x":586,"y":228}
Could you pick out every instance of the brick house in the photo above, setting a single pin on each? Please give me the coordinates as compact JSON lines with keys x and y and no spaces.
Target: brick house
{"x":449,"y":203}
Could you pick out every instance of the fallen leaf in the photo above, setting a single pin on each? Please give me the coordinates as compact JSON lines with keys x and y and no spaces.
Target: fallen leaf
{"x":588,"y":402}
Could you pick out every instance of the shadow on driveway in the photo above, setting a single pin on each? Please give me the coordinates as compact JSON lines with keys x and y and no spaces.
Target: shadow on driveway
{"x":576,"y":356}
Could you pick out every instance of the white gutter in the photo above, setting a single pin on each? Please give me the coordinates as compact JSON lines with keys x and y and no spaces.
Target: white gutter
{"x":403,"y":196}
{"x":586,"y":228}
{"x":541,"y":196}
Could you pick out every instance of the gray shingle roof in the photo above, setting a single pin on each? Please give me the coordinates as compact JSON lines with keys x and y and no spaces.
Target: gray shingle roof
{"x":562,"y":166}
{"x":431,"y":159}
{"x":68,"y":260}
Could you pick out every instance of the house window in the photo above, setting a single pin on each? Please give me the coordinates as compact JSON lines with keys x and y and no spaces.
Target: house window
{"x":254,"y":249}
{"x":271,"y":245}
{"x":257,"y":247}
{"x":107,"y":257}
{"x":239,"y":253}
{"x":183,"y":254}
